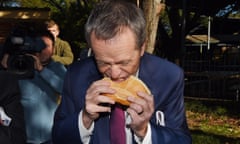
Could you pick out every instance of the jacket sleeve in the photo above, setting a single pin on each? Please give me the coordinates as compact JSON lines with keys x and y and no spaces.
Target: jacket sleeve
{"x":169,"y":101}
{"x":78,"y":78}
{"x":63,"y":53}
{"x":65,"y":129}
{"x":54,"y":76}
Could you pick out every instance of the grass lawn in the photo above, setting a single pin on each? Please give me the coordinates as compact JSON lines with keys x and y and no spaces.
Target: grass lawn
{"x":213,"y":122}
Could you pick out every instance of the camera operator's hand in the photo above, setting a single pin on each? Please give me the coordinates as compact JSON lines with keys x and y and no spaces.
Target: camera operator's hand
{"x":37,"y":63}
{"x":4,"y":60}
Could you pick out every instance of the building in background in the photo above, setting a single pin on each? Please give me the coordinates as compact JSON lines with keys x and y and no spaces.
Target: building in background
{"x":11,"y":17}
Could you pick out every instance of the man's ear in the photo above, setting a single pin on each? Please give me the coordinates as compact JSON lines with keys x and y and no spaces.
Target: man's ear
{"x":143,"y":48}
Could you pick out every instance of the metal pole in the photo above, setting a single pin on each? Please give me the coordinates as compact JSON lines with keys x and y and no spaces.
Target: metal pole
{"x":209,"y":33}
{"x":183,"y":49}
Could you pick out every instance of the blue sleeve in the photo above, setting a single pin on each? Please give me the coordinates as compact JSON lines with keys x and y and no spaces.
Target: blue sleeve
{"x":171,"y":103}
{"x":65,"y":129}
{"x":54,"y":75}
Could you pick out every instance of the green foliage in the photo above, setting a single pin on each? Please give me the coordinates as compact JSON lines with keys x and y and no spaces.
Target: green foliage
{"x":200,"y":138}
{"x":220,"y":111}
{"x":206,"y":138}
{"x":71,"y":16}
{"x":213,"y":122}
{"x":235,"y":15}
{"x":72,"y":22}
{"x":196,"y":106}
{"x":33,"y":4}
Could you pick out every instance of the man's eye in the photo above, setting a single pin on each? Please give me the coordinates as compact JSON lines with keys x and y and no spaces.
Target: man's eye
{"x":102,"y":64}
{"x":125,"y":63}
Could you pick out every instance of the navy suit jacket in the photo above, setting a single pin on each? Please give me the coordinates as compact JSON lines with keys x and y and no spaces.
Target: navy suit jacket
{"x":164,"y":79}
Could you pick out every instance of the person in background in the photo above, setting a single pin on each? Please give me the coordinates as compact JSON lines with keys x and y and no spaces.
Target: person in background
{"x":12,"y":125}
{"x":40,"y":94}
{"x":62,"y":50}
{"x":116,"y":33}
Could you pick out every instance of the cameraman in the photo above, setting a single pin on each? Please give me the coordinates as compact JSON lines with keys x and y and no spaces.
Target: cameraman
{"x":41,"y":93}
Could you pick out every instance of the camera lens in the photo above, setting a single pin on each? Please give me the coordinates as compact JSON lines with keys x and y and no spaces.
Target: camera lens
{"x":21,"y":64}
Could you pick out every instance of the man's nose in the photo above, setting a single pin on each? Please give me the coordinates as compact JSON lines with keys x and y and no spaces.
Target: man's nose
{"x":115,"y":72}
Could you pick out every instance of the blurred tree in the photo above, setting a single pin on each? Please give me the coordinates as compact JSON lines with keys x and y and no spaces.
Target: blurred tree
{"x":152,"y":9}
{"x":168,"y":21}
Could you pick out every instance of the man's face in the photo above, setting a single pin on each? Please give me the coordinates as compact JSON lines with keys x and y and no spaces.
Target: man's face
{"x":117,"y":58}
{"x":54,"y":30}
{"x":47,"y":52}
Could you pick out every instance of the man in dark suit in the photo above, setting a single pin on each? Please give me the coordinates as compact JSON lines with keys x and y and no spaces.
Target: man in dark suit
{"x":12,"y":132}
{"x":116,"y":33}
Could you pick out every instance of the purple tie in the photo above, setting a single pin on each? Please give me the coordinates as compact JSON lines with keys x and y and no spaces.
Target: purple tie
{"x":117,"y":126}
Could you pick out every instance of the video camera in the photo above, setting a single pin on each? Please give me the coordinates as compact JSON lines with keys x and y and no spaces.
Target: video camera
{"x":18,"y":45}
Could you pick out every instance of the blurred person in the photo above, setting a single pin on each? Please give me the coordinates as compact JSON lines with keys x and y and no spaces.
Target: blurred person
{"x":115,"y":31}
{"x":12,"y":125}
{"x":40,"y":94}
{"x":62,"y":50}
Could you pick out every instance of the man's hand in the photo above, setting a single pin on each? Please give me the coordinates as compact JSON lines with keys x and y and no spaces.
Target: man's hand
{"x":1,"y":122}
{"x":140,"y":110}
{"x":37,"y":63}
{"x":5,"y":120}
{"x":4,"y":60}
{"x":95,"y":100}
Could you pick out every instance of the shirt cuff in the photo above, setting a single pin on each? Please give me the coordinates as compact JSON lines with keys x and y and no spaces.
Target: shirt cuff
{"x":85,"y":133}
{"x":146,"y":139}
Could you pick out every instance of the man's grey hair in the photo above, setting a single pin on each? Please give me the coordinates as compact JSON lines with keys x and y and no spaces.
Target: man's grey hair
{"x":108,"y":19}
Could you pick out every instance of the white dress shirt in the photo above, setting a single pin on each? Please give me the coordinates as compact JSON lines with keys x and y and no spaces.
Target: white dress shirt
{"x":85,"y":134}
